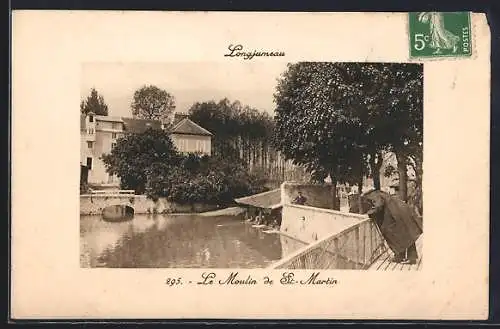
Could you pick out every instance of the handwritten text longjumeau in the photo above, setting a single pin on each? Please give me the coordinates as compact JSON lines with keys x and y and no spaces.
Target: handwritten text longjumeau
{"x":237,"y":51}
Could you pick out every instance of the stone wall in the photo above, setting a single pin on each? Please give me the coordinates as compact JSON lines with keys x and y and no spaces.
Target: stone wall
{"x":94,"y":204}
{"x":290,"y":245}
{"x":318,"y":195}
{"x":310,"y":224}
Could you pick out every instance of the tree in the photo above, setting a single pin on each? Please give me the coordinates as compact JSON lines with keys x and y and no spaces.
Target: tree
{"x":149,"y":163}
{"x":403,"y":118}
{"x":153,"y":103}
{"x":134,"y":154}
{"x":391,"y":109}
{"x":338,"y":118}
{"x":240,"y":131}
{"x":94,"y":103}
{"x":314,"y":126}
{"x":195,"y":178}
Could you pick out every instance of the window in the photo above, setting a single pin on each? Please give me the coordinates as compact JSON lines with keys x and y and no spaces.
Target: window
{"x":113,"y":145}
{"x":89,"y":144}
{"x":113,"y":135}
{"x":91,"y":118}
{"x":89,"y":163}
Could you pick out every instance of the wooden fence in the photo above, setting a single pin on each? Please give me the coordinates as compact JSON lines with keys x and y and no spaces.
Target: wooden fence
{"x":356,"y":247}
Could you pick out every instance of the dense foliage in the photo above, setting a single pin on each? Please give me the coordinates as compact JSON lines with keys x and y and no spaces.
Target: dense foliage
{"x":152,"y":103}
{"x":245,"y":133}
{"x":339,"y":118}
{"x":202,"y":179}
{"x":239,"y":131}
{"x":94,"y":103}
{"x":134,"y":154}
{"x":149,"y":163}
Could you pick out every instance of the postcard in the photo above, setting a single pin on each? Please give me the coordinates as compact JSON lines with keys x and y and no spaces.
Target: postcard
{"x":250,"y":165}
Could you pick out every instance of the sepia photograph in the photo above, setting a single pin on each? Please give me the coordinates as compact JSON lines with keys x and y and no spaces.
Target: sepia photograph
{"x":305,"y":165}
{"x":273,"y":172}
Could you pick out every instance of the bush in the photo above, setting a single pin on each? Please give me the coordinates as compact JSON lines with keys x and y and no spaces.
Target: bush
{"x":149,"y":163}
{"x":201,"y":179}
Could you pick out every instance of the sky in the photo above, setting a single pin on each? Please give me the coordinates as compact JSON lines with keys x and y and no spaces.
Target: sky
{"x":251,"y":82}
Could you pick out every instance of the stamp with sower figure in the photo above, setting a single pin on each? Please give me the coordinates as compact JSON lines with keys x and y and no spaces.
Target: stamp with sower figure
{"x":440,"y":34}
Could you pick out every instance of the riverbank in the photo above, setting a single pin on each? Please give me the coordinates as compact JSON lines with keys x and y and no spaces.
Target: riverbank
{"x":93,"y":204}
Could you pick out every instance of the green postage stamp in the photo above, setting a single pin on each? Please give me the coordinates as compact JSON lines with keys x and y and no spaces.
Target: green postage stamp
{"x":440,"y":34}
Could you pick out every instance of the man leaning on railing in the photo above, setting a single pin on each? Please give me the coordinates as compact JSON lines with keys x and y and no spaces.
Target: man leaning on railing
{"x":398,"y":223}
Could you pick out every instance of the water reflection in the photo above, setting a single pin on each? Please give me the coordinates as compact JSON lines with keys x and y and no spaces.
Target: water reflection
{"x":178,"y":241}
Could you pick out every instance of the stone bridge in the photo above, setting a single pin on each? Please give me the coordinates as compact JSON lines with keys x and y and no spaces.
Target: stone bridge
{"x":94,"y":203}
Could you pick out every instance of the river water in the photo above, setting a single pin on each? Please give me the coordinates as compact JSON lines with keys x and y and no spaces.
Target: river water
{"x":185,"y":241}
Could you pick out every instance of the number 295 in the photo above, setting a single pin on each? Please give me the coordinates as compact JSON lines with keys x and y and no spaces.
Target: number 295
{"x":173,"y":281}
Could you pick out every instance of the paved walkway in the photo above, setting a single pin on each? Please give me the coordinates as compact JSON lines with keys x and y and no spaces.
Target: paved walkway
{"x":384,"y":263}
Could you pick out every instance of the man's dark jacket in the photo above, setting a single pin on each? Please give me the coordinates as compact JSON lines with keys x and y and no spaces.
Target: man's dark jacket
{"x":398,"y":222}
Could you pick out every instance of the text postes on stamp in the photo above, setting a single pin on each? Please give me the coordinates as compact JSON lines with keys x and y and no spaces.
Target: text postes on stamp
{"x":440,"y":34}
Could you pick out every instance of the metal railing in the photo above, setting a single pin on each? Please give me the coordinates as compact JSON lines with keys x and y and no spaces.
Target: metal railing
{"x":109,"y":193}
{"x":105,"y":192}
{"x":356,"y":247}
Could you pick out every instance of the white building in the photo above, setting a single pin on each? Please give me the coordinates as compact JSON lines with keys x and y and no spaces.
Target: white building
{"x":188,"y":137}
{"x":98,"y":135}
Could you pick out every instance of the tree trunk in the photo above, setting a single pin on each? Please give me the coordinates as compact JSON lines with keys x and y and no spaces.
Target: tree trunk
{"x":418,"y":188}
{"x":403,"y":176}
{"x":335,"y":199}
{"x":360,"y":186}
{"x":375,"y":167}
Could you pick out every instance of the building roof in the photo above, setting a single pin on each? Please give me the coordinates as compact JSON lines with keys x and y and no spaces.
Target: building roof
{"x":268,"y":200}
{"x":188,"y":127}
{"x":108,"y":118}
{"x":138,"y":126}
{"x":179,"y":116}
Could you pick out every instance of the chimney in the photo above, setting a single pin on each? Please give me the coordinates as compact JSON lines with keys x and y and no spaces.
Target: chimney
{"x":178,"y":116}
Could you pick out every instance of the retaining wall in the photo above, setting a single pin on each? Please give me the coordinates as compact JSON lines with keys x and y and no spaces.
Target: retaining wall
{"x":310,"y":224}
{"x":94,"y":204}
